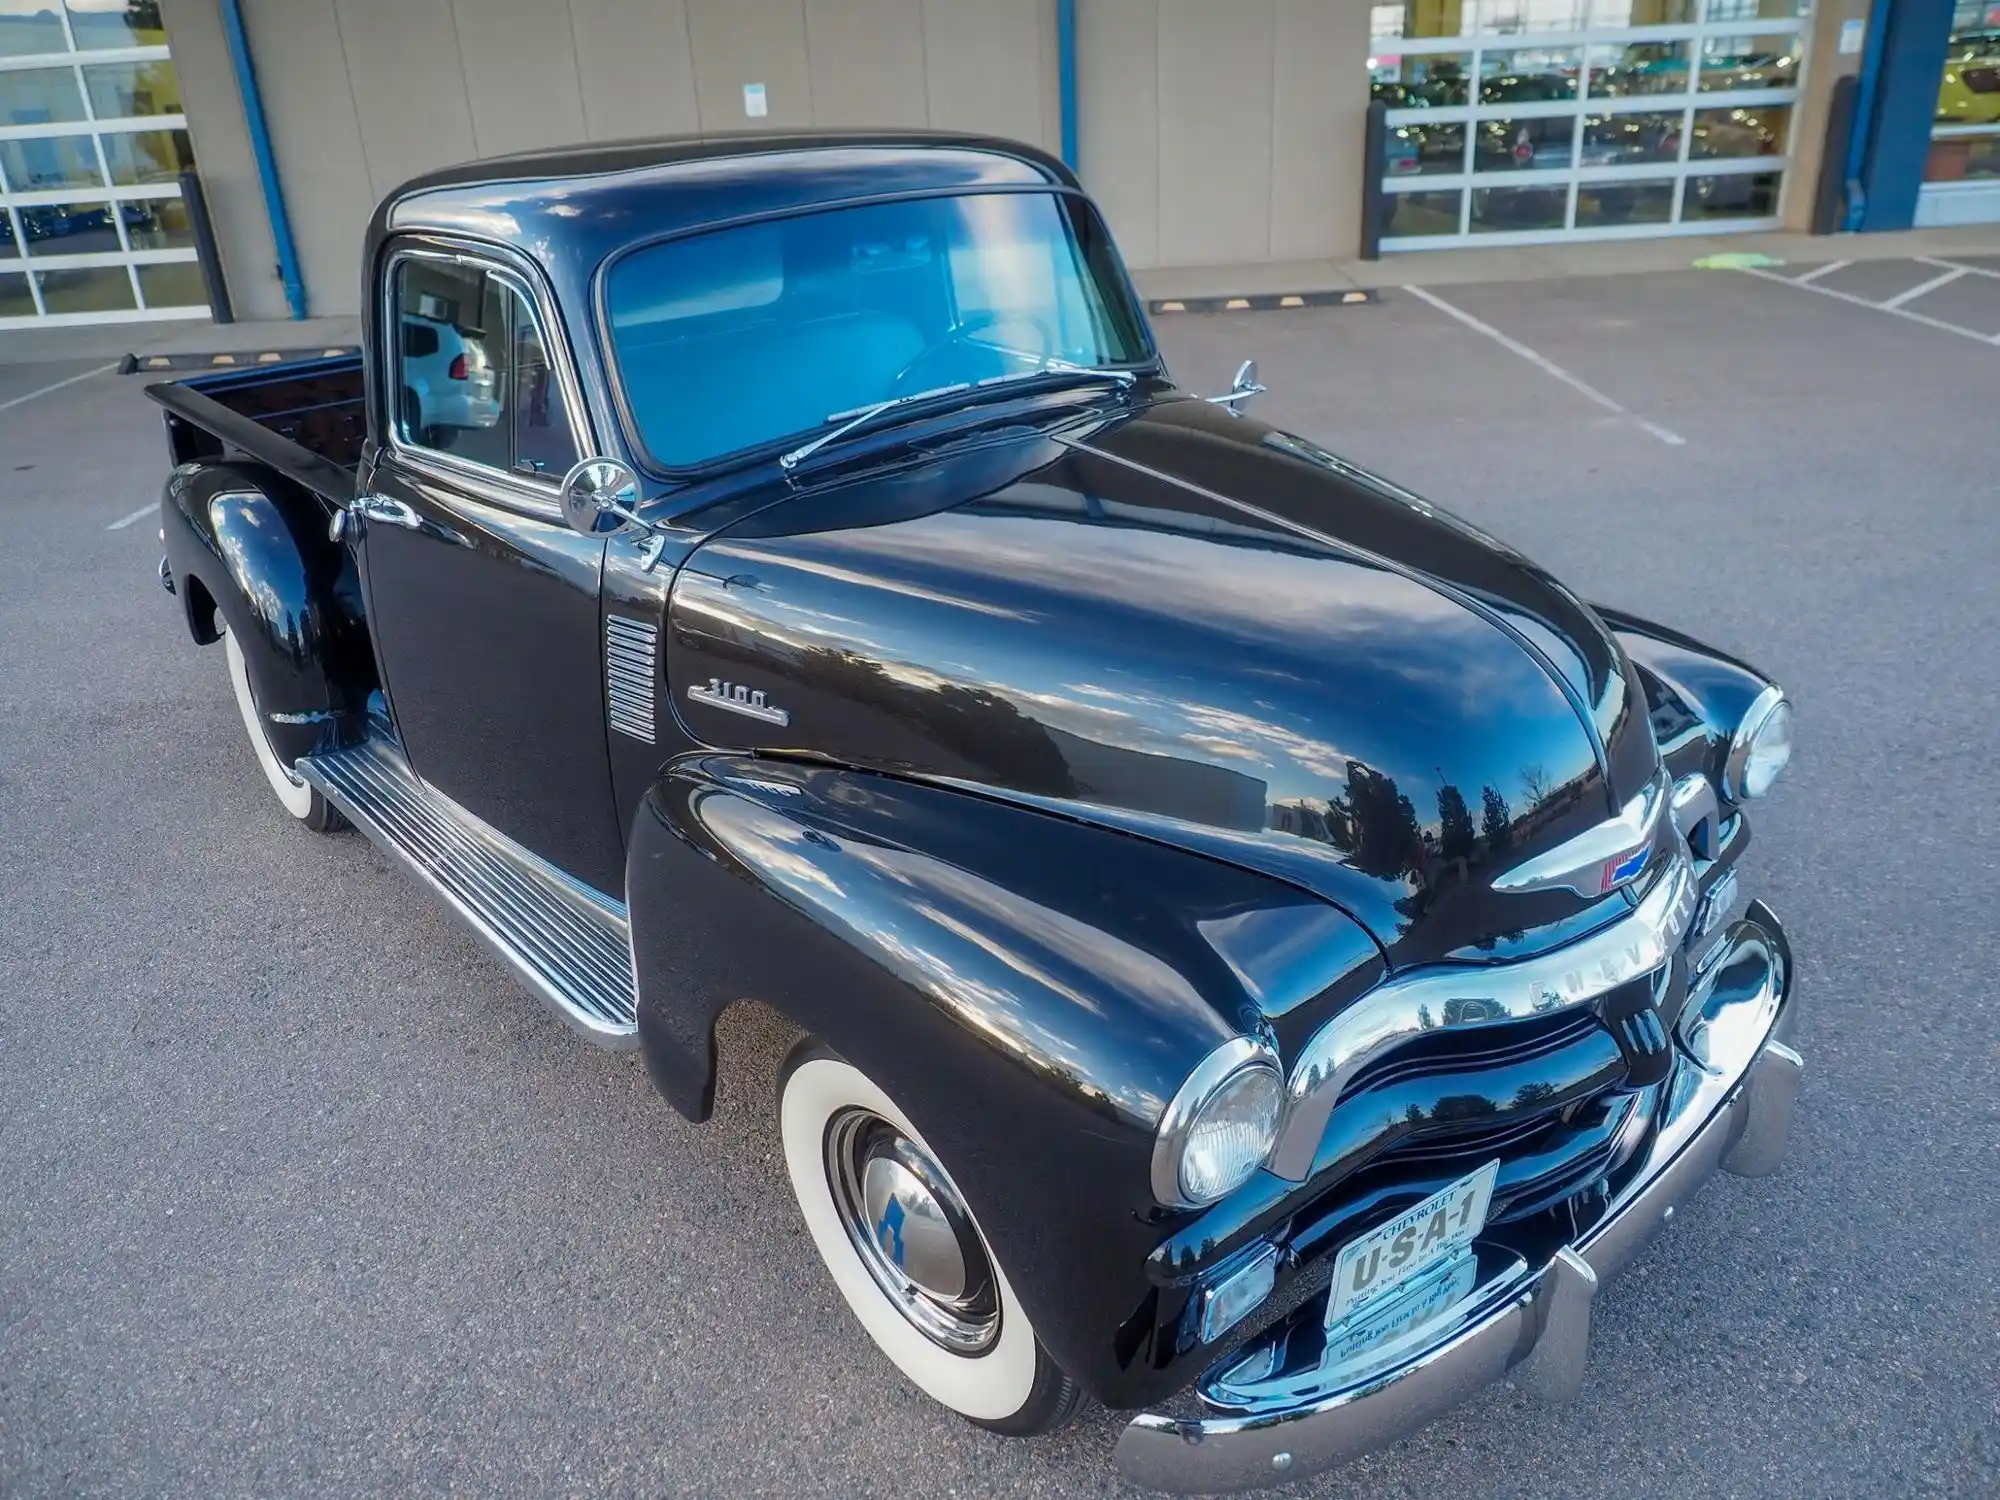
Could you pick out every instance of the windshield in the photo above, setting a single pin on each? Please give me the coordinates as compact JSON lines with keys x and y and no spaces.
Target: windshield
{"x":737,"y":338}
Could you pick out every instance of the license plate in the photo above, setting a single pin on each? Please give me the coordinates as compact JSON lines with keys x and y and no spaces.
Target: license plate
{"x":1411,"y":1243}
{"x":1437,"y":1290}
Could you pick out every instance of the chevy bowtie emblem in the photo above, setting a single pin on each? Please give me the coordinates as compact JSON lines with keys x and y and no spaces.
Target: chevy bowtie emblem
{"x":738,"y":699}
{"x":1599,"y":859}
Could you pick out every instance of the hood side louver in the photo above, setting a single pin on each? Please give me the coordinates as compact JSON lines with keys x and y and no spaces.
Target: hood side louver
{"x":631,"y":667}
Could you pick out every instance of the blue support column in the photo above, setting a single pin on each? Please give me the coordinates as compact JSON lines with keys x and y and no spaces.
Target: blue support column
{"x":267,"y":162}
{"x":1909,"y":56}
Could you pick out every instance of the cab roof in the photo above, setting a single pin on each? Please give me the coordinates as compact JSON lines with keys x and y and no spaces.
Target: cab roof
{"x":566,"y":211}
{"x":572,"y":206}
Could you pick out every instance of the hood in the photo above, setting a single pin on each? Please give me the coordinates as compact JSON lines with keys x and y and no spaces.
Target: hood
{"x":1191,"y":627}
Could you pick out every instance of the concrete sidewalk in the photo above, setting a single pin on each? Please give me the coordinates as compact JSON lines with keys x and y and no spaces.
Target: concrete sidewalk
{"x":102,"y":342}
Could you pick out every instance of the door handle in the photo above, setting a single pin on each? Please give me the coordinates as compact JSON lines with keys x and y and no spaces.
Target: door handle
{"x":383,"y":508}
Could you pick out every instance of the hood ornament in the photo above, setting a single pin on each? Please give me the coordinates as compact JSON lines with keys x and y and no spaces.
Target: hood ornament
{"x":1601,"y":859}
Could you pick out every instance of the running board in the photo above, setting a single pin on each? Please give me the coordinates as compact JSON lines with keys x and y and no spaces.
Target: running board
{"x":570,"y":943}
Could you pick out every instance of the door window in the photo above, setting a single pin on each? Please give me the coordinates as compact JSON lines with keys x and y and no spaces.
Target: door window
{"x":473,"y":377}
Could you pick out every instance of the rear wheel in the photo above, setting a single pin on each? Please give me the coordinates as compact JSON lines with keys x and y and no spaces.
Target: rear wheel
{"x":298,"y":797}
{"x":904,"y":1250}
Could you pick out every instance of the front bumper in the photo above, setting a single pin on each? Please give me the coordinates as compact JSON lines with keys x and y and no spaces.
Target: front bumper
{"x":1731,"y":1112}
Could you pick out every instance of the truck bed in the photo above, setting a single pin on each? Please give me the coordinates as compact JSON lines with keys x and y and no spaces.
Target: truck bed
{"x":306,"y":419}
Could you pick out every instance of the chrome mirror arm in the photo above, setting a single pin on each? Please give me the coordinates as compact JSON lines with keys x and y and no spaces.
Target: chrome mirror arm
{"x":656,"y":539}
{"x":1242,"y":388}
{"x":601,"y":488}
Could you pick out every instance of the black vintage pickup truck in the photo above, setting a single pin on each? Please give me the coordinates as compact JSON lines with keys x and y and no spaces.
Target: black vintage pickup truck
{"x":1265,"y":948}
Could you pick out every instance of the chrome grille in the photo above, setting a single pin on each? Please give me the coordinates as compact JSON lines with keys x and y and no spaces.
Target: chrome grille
{"x":631,"y":665}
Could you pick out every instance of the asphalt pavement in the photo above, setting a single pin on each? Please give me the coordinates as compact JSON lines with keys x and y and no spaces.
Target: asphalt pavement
{"x":300,"y":1194}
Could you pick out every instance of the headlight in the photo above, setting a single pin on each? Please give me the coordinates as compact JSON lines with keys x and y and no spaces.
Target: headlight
{"x":1760,"y":748}
{"x":1220,"y":1126}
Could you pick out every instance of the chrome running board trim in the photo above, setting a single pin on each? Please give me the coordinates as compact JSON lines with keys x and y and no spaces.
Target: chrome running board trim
{"x":569,"y":943}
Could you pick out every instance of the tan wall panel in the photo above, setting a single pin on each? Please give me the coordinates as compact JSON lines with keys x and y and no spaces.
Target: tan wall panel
{"x":1824,"y":66}
{"x":1216,"y":68}
{"x":1211,"y":133}
{"x":409,"y":87}
{"x":222,"y":155}
{"x":1319,"y":119}
{"x":519,"y":62}
{"x":1051,"y":78}
{"x":750,"y":41}
{"x":316,"y":137}
{"x":1118,"y":114}
{"x":637,"y":67}
{"x":867,"y":62}
{"x":987,"y":68}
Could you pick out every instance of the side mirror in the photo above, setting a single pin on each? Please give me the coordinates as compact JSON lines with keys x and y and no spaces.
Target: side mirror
{"x":599,"y":495}
{"x":1242,"y":388}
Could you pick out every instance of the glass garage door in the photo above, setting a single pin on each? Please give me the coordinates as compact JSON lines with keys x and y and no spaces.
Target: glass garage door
{"x":92,"y":139}
{"x":1526,"y":121}
{"x":1962,"y":174}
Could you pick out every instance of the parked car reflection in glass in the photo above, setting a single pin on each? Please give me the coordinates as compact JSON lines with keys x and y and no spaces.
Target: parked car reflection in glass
{"x":449,"y":380}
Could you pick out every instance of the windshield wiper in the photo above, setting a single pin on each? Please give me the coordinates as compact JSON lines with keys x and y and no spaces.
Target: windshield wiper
{"x":860,"y":416}
{"x":1063,"y":367}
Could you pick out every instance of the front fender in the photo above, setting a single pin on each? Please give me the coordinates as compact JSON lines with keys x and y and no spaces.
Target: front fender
{"x":1032,"y":991}
{"x":257,"y":547}
{"x":1695,"y":694}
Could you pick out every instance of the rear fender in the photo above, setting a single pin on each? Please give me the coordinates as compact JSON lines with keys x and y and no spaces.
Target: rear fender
{"x":256,"y":546}
{"x":1030,"y":990}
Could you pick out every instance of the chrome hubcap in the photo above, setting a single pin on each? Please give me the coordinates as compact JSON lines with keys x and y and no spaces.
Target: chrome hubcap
{"x":910,"y":1228}
{"x":912,"y":1231}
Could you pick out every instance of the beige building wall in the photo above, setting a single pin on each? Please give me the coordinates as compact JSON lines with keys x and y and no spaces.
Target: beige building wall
{"x":362,"y":94}
{"x":1214,"y":132}
{"x":1224,"y":134}
{"x":1824,"y":65}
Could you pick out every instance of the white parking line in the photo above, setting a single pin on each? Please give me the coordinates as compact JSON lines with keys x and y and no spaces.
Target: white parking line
{"x":1818,"y":271}
{"x":1894,"y":312}
{"x":18,"y":400}
{"x":1547,"y":366}
{"x":1931,"y":260}
{"x":1923,"y":286}
{"x":138,"y":515}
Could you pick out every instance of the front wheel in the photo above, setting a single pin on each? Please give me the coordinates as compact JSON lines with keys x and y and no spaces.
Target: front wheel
{"x":906,"y":1253}
{"x":300,"y":798}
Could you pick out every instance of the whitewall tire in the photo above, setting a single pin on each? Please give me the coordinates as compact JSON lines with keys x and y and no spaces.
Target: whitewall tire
{"x":297,"y":797}
{"x":951,"y":1323}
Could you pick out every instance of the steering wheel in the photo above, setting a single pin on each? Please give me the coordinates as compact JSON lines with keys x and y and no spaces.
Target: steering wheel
{"x":961,"y":333}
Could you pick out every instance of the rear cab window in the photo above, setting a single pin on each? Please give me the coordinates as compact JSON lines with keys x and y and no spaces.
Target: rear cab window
{"x":472,"y":376}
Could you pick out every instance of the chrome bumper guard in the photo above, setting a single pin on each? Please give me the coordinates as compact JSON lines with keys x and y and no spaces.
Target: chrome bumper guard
{"x":1728,"y":1107}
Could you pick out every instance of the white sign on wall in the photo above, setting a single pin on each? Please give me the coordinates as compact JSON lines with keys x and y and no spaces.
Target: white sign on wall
{"x":1852,"y":34}
{"x":755,"y":103}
